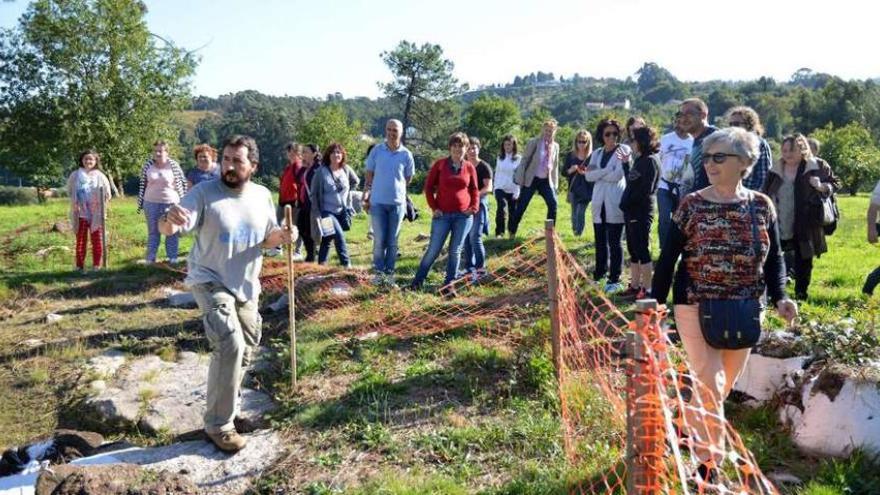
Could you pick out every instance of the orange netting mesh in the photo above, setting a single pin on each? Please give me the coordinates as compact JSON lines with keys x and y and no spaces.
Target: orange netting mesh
{"x":634,"y":419}
{"x":674,"y":423}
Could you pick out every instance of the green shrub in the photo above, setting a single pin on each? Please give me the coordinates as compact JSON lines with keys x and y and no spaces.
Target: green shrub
{"x":17,"y":196}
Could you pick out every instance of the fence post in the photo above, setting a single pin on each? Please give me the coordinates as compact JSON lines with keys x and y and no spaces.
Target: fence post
{"x":553,"y":295}
{"x":645,"y":447}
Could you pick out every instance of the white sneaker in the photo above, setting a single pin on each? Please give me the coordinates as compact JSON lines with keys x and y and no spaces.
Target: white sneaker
{"x":298,"y":257}
{"x":276,"y":251}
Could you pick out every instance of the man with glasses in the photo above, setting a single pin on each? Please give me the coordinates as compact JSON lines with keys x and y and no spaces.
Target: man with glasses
{"x":389,"y":169}
{"x":694,"y":117}
{"x":675,"y":150}
{"x":747,"y":118}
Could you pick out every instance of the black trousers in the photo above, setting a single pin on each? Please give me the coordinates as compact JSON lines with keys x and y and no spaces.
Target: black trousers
{"x":803,"y":268}
{"x":304,"y":225}
{"x":506,"y":209}
{"x":608,"y":244}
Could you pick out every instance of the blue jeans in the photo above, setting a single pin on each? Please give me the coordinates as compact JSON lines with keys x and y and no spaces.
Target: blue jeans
{"x":153,"y":211}
{"x":579,"y":216}
{"x":542,"y":186}
{"x":386,"y":221}
{"x":456,"y":224}
{"x":666,"y":205}
{"x":338,"y":239}
{"x":474,"y":254}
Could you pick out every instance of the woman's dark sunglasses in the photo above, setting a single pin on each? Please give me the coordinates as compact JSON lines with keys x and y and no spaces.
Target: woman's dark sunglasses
{"x":610,"y":134}
{"x":581,"y":142}
{"x":717,"y":157}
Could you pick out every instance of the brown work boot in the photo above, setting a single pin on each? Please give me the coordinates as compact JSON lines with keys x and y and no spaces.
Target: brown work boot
{"x":228,"y":441}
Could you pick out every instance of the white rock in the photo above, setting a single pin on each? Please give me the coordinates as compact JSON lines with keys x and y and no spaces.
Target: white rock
{"x":158,"y":396}
{"x":107,"y":363}
{"x":53,"y":318}
{"x":98,"y":386}
{"x":783,"y":478}
{"x":765,"y":376}
{"x":209,"y":468}
{"x":32,"y":343}
{"x":180,"y":299}
{"x":790,"y":415}
{"x":340,"y":289}
{"x":835,"y":427}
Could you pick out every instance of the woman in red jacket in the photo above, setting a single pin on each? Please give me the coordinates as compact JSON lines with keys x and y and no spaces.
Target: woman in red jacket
{"x":288,"y":192}
{"x":452,"y":194}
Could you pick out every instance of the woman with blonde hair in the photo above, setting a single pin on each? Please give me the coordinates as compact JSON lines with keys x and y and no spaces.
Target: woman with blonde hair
{"x":580,"y":191}
{"x":798,"y":184}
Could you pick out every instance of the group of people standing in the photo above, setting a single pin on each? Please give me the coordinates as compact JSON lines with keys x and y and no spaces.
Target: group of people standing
{"x":728,"y":218}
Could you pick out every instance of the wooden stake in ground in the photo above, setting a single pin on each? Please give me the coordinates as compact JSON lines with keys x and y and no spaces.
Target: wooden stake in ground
{"x":104,"y":226}
{"x":291,"y":301}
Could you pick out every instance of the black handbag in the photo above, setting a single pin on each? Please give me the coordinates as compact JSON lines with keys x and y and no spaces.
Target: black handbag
{"x":345,"y":218}
{"x":733,"y":323}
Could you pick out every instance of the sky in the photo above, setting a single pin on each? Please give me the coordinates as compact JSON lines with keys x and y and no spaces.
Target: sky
{"x":314,"y":48}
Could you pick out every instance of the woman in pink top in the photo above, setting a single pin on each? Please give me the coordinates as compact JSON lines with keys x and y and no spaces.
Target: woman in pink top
{"x":162,"y":184}
{"x":89,"y":192}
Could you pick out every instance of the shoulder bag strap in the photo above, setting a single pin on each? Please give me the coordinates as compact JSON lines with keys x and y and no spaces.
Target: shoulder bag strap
{"x":756,"y":241}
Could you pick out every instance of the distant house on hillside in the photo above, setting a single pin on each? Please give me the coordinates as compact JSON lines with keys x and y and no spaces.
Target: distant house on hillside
{"x":599,"y":105}
{"x":625,"y":104}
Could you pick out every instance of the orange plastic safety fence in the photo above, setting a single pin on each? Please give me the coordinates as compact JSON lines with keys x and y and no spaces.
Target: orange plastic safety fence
{"x":634,"y":418}
{"x":677,"y":439}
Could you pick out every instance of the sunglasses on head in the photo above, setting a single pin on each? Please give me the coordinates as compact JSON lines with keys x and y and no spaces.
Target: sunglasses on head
{"x":717,"y":157}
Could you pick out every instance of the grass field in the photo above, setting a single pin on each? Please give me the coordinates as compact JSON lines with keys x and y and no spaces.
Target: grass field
{"x":451,"y":413}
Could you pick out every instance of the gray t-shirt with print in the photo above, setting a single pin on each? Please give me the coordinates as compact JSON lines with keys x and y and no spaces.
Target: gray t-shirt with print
{"x":229,"y":227}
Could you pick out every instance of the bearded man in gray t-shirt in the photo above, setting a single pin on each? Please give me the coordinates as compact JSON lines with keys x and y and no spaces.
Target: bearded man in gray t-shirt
{"x":233,"y":220}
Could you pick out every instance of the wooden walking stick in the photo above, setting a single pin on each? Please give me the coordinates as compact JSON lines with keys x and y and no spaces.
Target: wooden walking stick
{"x":291,"y":301}
{"x":104,"y":227}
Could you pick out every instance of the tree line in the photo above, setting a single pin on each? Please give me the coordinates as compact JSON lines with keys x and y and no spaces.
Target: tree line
{"x":122,"y":88}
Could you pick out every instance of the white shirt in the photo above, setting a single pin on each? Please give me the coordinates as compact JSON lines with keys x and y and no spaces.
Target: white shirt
{"x":504,"y":168}
{"x":674,"y":151}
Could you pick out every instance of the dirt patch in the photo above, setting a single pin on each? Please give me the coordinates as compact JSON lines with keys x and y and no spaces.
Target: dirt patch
{"x":829,"y":382}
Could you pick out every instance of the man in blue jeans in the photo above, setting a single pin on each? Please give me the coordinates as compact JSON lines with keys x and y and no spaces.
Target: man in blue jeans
{"x":538,"y":172}
{"x":389,"y":169}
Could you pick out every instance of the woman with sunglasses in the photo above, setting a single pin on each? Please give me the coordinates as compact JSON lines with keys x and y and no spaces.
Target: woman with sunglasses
{"x":331,"y":203}
{"x":579,"y":190}
{"x":453,"y":195}
{"x":607,"y":168}
{"x":728,"y":241}
{"x":798,"y":184}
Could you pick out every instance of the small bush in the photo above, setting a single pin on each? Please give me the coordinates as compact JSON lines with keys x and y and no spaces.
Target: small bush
{"x":17,"y":196}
